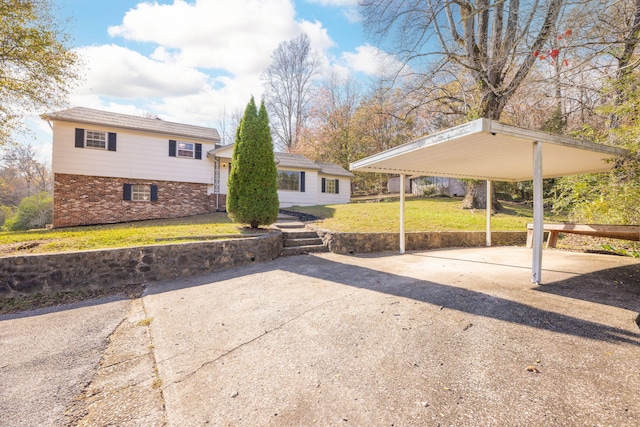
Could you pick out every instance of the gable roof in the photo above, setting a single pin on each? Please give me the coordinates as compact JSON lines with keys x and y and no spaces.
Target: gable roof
{"x":333,"y":169}
{"x":294,"y":161}
{"x":289,"y":160}
{"x":124,"y":121}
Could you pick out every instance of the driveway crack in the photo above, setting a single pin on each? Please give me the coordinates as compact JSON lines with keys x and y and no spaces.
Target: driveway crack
{"x":258,"y":337}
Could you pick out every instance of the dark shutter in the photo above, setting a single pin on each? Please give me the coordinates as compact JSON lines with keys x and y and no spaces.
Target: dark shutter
{"x":79,"y":138}
{"x":112,"y":142}
{"x":154,"y":193}
{"x":324,"y":185}
{"x":172,"y":148}
{"x":337,"y":186}
{"x":199,"y":151}
{"x":126,"y":192}
{"x":302,"y":182}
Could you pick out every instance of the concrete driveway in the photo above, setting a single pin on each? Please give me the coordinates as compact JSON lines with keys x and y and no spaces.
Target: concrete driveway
{"x":453,"y":337}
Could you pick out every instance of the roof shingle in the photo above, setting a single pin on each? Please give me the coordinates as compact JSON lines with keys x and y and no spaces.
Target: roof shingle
{"x":294,"y":161}
{"x":106,"y":118}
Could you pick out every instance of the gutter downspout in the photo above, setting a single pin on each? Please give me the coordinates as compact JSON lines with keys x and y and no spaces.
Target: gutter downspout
{"x":402,"y":242}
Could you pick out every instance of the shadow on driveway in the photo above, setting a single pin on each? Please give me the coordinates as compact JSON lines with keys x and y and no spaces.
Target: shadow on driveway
{"x":615,"y":287}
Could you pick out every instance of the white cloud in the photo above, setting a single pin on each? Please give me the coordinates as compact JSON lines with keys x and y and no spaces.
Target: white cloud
{"x":372,"y":61}
{"x":115,"y":71}
{"x":205,"y":56}
{"x":237,"y":36}
{"x":318,"y":35}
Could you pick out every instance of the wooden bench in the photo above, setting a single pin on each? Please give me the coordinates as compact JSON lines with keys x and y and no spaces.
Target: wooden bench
{"x":624,"y":232}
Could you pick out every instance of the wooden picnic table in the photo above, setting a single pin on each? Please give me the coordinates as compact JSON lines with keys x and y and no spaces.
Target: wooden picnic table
{"x":623,"y":232}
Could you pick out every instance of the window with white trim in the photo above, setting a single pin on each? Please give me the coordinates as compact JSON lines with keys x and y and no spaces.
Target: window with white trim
{"x":95,"y":139}
{"x":330,"y":186}
{"x":186,"y":149}
{"x":141,"y":193}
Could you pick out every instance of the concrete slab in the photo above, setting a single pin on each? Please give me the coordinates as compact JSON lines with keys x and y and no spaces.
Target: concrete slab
{"x":448,"y":337}
{"x":49,"y":356}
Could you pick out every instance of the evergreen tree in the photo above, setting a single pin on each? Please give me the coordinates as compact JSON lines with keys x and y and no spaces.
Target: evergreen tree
{"x":252,"y":194}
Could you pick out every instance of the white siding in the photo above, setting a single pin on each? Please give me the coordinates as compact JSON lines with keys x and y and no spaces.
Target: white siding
{"x":309,"y":197}
{"x":344,"y":195}
{"x":313,"y":185}
{"x":138,"y":155}
{"x":224,"y":175}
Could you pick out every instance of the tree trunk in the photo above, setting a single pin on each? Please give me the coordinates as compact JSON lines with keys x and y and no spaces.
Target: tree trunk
{"x":476,"y":197}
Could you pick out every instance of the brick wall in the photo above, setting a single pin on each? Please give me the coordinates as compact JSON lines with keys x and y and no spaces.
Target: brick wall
{"x":219,"y":203}
{"x":86,"y":200}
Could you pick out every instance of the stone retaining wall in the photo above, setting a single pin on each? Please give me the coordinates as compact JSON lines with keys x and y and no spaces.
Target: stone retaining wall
{"x":350,"y":243}
{"x":69,"y":271}
{"x":108,"y":268}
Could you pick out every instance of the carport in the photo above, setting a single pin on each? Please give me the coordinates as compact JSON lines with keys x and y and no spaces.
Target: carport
{"x":487,"y":150}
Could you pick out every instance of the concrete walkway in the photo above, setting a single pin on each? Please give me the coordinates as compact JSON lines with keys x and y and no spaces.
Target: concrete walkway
{"x":454,"y":337}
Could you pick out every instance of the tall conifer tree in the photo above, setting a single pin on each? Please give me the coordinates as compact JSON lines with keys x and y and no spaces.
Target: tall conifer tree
{"x":252,"y":195}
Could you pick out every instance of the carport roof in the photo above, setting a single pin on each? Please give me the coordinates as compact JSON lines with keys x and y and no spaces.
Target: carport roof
{"x":487,"y":150}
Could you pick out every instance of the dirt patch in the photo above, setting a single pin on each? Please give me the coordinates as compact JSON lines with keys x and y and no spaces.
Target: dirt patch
{"x":601,"y":245}
{"x":20,"y":303}
{"x":12,"y":249}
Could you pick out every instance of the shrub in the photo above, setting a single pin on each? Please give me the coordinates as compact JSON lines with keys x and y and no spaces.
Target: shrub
{"x":253,"y":190}
{"x":5,"y":213}
{"x":33,"y":212}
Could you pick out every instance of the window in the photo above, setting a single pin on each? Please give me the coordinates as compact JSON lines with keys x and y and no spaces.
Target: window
{"x":96,"y":139}
{"x":289,"y":180}
{"x":186,"y":149}
{"x":331,"y":186}
{"x":140,"y":192}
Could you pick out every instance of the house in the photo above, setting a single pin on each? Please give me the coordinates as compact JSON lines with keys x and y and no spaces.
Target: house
{"x":301,"y":182}
{"x":111,"y":167}
{"x":428,"y":185}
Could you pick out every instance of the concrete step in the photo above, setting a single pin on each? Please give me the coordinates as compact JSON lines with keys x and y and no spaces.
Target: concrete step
{"x":289,"y":224}
{"x":312,"y":241}
{"x":299,"y":250}
{"x":302,"y":234}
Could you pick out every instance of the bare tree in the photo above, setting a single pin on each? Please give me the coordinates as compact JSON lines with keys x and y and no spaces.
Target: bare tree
{"x":23,"y":158}
{"x":490,"y":40}
{"x":289,"y":88}
{"x":227,"y":125}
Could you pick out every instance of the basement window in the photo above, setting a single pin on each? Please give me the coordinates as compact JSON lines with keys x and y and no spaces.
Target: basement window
{"x":140,"y":192}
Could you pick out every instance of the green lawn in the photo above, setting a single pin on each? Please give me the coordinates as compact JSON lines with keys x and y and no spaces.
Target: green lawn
{"x":199,"y":227}
{"x":433,"y":214}
{"x":443,"y":214}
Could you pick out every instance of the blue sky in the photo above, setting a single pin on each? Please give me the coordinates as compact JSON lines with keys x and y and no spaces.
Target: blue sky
{"x":187,"y":60}
{"x":194,"y":61}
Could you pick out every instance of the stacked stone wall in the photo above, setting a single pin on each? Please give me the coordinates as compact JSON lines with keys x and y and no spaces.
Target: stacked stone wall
{"x":87,"y":200}
{"x":352,"y":243}
{"x":102,"y":269}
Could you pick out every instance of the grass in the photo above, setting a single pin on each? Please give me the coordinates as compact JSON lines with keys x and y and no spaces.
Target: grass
{"x":201,"y":227}
{"x":433,"y":214}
